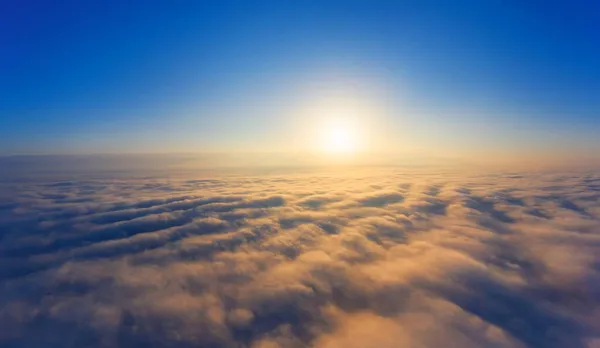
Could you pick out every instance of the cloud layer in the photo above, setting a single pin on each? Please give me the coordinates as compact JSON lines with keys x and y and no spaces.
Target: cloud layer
{"x":357,"y":258}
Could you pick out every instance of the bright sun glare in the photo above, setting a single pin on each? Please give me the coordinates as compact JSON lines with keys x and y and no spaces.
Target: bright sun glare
{"x":342,"y":125}
{"x":340,"y":139}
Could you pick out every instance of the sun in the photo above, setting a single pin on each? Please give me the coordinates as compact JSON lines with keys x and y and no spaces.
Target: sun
{"x":340,"y":139}
{"x":338,"y":126}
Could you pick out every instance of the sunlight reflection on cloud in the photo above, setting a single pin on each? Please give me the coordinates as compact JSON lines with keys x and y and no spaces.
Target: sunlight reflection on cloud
{"x":372,"y":258}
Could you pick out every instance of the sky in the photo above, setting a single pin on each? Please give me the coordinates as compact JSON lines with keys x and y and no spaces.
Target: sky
{"x":300,"y":173}
{"x":209,"y":76}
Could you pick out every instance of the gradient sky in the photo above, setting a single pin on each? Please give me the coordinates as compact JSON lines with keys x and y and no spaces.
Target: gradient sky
{"x":185,"y":76}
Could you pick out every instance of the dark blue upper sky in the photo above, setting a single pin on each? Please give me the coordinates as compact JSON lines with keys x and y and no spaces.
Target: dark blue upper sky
{"x":112,"y":76}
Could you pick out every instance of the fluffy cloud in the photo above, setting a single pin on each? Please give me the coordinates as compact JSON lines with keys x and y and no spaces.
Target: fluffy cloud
{"x":361,"y":258}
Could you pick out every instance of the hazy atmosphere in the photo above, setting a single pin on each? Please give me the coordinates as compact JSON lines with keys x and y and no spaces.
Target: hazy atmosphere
{"x":324,"y":174}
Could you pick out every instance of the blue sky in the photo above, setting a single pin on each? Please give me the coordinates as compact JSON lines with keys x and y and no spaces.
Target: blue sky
{"x":110,"y":76}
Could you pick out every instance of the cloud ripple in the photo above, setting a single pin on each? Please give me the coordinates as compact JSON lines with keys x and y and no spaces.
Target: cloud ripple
{"x":372,"y":258}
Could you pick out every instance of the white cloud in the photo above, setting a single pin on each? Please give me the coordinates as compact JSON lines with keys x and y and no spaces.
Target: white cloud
{"x":383,"y":258}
